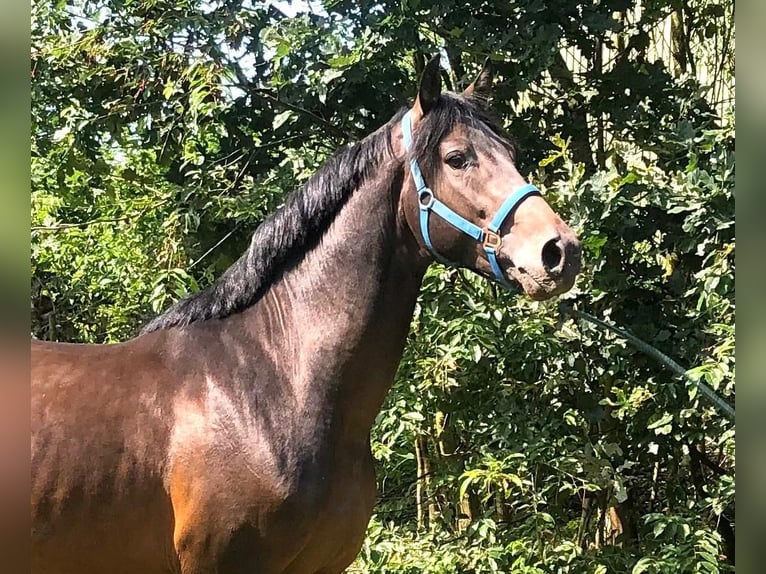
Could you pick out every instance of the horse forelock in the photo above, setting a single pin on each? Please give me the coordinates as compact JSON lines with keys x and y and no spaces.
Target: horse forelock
{"x":449,"y":112}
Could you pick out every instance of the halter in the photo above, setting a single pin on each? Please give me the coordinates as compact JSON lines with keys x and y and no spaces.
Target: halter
{"x":489,"y":237}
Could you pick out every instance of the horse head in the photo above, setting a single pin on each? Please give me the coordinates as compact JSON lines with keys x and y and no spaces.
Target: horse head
{"x":466,"y":203}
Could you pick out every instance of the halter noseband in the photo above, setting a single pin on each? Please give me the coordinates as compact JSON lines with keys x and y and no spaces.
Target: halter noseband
{"x":489,"y":237}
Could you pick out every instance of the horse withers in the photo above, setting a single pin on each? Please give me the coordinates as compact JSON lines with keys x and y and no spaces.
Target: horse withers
{"x":232,"y":435}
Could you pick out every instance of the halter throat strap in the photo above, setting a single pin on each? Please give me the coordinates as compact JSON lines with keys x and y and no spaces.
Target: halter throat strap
{"x":489,"y":236}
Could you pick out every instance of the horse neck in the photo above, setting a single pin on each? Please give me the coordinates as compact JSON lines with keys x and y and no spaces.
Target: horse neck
{"x":342,"y":314}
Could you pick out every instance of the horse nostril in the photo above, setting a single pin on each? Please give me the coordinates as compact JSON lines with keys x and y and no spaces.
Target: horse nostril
{"x":553,"y":256}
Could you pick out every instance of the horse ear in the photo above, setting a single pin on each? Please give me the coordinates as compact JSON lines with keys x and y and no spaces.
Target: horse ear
{"x":429,"y":90}
{"x":481,"y":87}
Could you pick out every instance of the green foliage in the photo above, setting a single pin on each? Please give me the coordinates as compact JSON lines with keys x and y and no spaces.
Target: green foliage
{"x":164,"y":132}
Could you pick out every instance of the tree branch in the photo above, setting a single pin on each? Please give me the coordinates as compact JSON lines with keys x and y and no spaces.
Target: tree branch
{"x":264,"y":95}
{"x":63,"y":226}
{"x":248,"y":87}
{"x":83,"y":224}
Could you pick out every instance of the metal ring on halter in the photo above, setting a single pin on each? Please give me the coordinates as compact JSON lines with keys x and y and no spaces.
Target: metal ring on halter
{"x":492,"y":240}
{"x":425,"y":193}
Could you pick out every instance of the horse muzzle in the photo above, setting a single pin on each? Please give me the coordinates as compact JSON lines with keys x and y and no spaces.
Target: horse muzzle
{"x":544,"y":263}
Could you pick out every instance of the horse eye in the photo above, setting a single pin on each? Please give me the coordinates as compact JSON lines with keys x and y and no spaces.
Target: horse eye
{"x":457,"y":160}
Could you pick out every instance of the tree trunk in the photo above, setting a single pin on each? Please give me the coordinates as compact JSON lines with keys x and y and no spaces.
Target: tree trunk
{"x":574,"y":113}
{"x":424,"y":496}
{"x":420,"y":494}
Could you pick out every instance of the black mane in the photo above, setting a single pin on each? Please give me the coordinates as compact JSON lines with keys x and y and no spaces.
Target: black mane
{"x":285,"y":236}
{"x":289,"y":233}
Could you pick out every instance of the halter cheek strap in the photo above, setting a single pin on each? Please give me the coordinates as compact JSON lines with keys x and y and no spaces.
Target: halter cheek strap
{"x":489,"y":237}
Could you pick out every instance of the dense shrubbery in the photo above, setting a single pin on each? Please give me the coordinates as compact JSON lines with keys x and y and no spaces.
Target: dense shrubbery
{"x":512,"y":440}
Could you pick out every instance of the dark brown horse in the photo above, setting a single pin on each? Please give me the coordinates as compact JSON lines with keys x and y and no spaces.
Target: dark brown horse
{"x":232,"y":435}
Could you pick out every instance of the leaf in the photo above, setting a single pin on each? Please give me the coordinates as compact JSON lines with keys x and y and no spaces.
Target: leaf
{"x":169,"y":89}
{"x":280,"y":119}
{"x":342,"y":61}
{"x":621,"y":493}
{"x":413,"y":416}
{"x":464,"y":487}
{"x":661,"y":425}
{"x":61,"y":133}
{"x":642,"y":565}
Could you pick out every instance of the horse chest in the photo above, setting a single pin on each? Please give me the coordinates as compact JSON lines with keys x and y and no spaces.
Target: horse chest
{"x":332,"y":506}
{"x":337,"y":525}
{"x":307,"y":516}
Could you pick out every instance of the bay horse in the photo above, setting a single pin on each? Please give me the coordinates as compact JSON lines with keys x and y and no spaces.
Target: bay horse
{"x":232,"y":434}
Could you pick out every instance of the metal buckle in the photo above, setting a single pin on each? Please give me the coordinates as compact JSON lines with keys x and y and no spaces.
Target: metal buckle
{"x":491,"y":240}
{"x":427,"y":194}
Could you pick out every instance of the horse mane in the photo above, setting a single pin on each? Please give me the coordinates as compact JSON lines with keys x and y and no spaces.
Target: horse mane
{"x":288,"y":234}
{"x":285,"y":236}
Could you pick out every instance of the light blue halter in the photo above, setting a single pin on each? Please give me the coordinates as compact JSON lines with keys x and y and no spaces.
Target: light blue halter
{"x":489,"y":238}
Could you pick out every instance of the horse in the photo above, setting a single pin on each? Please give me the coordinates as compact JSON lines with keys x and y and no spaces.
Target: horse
{"x":232,"y":434}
